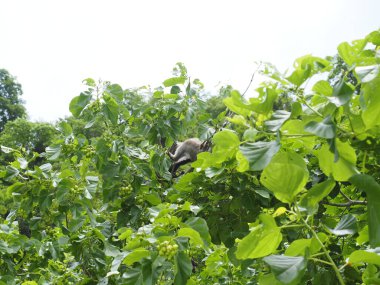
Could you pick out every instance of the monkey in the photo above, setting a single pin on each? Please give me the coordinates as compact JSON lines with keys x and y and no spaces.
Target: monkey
{"x":185,"y":152}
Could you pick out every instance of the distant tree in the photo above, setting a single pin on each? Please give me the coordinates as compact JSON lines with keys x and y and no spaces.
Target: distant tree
{"x":32,"y":136}
{"x":11,"y":106}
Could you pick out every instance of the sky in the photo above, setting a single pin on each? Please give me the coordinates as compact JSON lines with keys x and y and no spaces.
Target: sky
{"x":52,"y":46}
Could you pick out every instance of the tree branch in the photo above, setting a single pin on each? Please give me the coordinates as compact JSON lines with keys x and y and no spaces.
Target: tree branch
{"x":347,"y":204}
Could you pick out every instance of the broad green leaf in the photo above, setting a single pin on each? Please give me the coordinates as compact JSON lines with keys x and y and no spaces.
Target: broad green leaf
{"x":133,"y":276}
{"x":136,"y":255}
{"x":367,"y":73}
{"x":363,"y":236}
{"x":259,"y":154}
{"x":53,"y":152}
{"x":296,"y":136}
{"x":182,"y":269}
{"x":325,"y":129}
{"x":200,"y":225}
{"x":372,"y":188}
{"x":305,"y":67}
{"x":310,"y":200}
{"x":235,"y":103}
{"x":269,"y":279}
{"x":278,"y":119}
{"x":287,"y":269}
{"x":250,"y":134}
{"x":111,"y":109}
{"x":116,"y":92}
{"x":174,"y":81}
{"x":264,"y":103}
{"x":342,"y":93}
{"x":225,"y":146}
{"x":371,"y":103}
{"x":7,"y":149}
{"x":285,"y":176}
{"x":23,"y":162}
{"x":89,"y":82}
{"x":323,"y":87}
{"x":261,"y":241}
{"x":347,"y":226}
{"x":342,"y":169}
{"x":192,"y":234}
{"x":351,"y":53}
{"x":301,"y":247}
{"x":358,"y":257}
{"x":78,"y":103}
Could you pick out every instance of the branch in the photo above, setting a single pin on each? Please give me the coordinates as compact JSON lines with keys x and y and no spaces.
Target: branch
{"x":347,"y":204}
{"x":253,"y":75}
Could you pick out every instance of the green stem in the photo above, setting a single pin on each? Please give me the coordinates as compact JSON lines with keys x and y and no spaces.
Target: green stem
{"x":331,"y":263}
{"x":320,"y":260}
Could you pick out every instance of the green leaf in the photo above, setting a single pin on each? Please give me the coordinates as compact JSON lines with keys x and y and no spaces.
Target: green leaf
{"x":193,"y":235}
{"x":133,"y":276}
{"x":236,"y":104}
{"x":342,"y":93}
{"x":346,"y":226}
{"x":174,"y":81}
{"x":264,"y":103}
{"x":325,"y":129}
{"x":367,"y":73}
{"x":200,"y":225}
{"x":323,"y":87}
{"x":287,"y":269}
{"x":136,"y":255}
{"x":350,"y":53}
{"x":78,"y":103}
{"x":285,"y":176}
{"x":310,"y":200}
{"x":261,"y":241}
{"x":372,"y":188}
{"x":342,"y":169}
{"x":278,"y":119}
{"x":53,"y":152}
{"x":183,"y":268}
{"x":305,"y":67}
{"x":225,"y":146}
{"x":358,"y":257}
{"x":259,"y":154}
{"x":111,"y":109}
{"x":371,"y":103}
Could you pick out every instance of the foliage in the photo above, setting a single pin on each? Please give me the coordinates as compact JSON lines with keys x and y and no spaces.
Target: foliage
{"x":10,"y":99}
{"x":289,"y":193}
{"x":33,"y":136}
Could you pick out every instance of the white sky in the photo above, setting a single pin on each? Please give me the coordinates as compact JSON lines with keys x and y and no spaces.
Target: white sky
{"x":51,"y":46}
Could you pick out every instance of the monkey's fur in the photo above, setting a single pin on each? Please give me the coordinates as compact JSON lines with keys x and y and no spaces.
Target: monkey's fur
{"x":185,"y":152}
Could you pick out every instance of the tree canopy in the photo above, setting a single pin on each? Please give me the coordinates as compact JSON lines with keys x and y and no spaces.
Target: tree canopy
{"x":288,"y":194}
{"x":10,"y":99}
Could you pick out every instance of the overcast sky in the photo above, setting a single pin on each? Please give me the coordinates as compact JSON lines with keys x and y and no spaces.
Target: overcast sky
{"x":51,"y":46}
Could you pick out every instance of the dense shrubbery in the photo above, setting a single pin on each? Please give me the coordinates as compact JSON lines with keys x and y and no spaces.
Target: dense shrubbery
{"x":289,"y":193}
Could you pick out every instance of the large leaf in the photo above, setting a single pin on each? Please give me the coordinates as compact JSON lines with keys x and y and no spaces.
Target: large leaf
{"x":310,"y":200}
{"x":342,"y":169}
{"x":278,"y":119}
{"x":259,"y":154}
{"x":367,"y":73}
{"x":264,"y":103}
{"x":347,"y":226}
{"x":371,"y":103}
{"x":136,"y":255}
{"x":111,"y":109}
{"x":372,"y":188}
{"x":174,"y":81}
{"x":236,"y":104}
{"x":324,"y":129}
{"x":285,"y":176}
{"x":183,"y":268}
{"x":200,"y":225}
{"x":342,"y":93}
{"x":78,"y":103}
{"x":225,"y":146}
{"x":261,"y":241}
{"x":358,"y":257}
{"x":287,"y":269}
